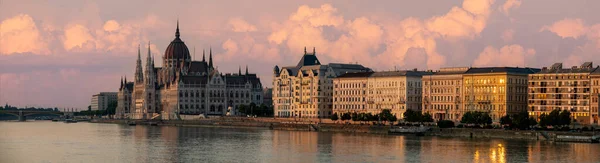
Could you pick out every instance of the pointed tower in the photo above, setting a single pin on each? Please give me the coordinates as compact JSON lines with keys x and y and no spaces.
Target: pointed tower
{"x":177,"y":30}
{"x":239,"y":70}
{"x":314,"y":51}
{"x":121,"y":87}
{"x":203,"y":56}
{"x":210,"y":62}
{"x":246,"y":69}
{"x":139,"y":75}
{"x":149,"y":73}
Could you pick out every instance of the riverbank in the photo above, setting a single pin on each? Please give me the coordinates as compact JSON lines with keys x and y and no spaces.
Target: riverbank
{"x":289,"y":124}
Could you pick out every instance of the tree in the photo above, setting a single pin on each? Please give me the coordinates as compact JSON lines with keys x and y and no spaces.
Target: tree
{"x":477,"y":118}
{"x":564,"y":118}
{"x":521,"y":120}
{"x":506,"y":120}
{"x":334,"y":117}
{"x":243,"y":109}
{"x":556,"y":118}
{"x":89,"y":107}
{"x":354,"y":116}
{"x":386,"y":115}
{"x":445,"y":124}
{"x":346,"y":116}
{"x":411,"y":116}
{"x":426,"y":118}
{"x":112,"y":107}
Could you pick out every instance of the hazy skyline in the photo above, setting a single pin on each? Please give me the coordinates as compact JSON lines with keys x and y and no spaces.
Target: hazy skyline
{"x":59,"y":53}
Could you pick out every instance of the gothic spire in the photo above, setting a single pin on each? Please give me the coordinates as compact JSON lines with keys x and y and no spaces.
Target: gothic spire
{"x":239,"y":70}
{"x":314,"y":51}
{"x":246,"y":69}
{"x":121,"y":83}
{"x":305,"y":50}
{"x":177,"y":30}
{"x":139,"y":76}
{"x":210,"y":62}
{"x":203,"y":56}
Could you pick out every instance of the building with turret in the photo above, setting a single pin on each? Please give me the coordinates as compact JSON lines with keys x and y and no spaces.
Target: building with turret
{"x":184,"y":87}
{"x":306,"y":89}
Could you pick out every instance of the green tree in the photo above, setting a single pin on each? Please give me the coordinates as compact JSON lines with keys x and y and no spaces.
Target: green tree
{"x":243,"y":109}
{"x":412,"y":116}
{"x":334,"y":117}
{"x":112,"y":107}
{"x":521,"y":120}
{"x":445,"y":124}
{"x":354,"y":116}
{"x":426,"y":118}
{"x":467,"y":118}
{"x":506,"y":120}
{"x":386,"y":115}
{"x":346,"y":116}
{"x":89,"y":107}
{"x":564,"y":118}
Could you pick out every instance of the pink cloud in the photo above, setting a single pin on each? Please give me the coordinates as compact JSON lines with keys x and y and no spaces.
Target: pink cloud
{"x":567,"y":28}
{"x":509,"y":55}
{"x":20,"y":34}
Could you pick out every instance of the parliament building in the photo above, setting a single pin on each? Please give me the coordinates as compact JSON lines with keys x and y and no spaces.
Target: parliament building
{"x":184,"y":87}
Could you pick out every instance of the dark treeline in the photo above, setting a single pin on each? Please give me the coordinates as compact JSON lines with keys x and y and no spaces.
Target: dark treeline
{"x":9,"y":107}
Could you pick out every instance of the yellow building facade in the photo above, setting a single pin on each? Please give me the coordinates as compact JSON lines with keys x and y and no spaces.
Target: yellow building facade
{"x":442,"y":94}
{"x":572,"y":89}
{"x":496,"y":90}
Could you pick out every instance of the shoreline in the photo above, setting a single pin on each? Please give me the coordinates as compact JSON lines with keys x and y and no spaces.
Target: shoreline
{"x":277,"y":124}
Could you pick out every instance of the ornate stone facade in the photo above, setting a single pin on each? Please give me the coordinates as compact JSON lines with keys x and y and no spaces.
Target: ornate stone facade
{"x":496,"y":90}
{"x":306,"y":90}
{"x":184,"y":86}
{"x":442,"y":94}
{"x":371,"y":92}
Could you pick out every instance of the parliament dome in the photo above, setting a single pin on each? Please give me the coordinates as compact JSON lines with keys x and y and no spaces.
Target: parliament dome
{"x":177,"y":49}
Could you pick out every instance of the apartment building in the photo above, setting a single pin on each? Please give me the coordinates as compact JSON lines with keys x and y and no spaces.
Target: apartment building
{"x":572,"y":89}
{"x":371,"y":92}
{"x":496,"y":90}
{"x":442,"y":93}
{"x":306,"y":89}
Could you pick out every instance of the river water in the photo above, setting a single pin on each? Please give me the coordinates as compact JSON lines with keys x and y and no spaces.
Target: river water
{"x":44,"y":141}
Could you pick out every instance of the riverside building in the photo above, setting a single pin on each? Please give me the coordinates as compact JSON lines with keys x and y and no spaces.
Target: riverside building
{"x":496,"y":90}
{"x":101,"y":100}
{"x":443,"y":94}
{"x":371,"y":92}
{"x":572,"y":89}
{"x":306,"y":89}
{"x":184,"y":87}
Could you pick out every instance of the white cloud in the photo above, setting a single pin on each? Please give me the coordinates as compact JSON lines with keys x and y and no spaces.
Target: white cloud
{"x":240,"y":25}
{"x":509,"y":55}
{"x":21,"y":35}
{"x":567,"y":28}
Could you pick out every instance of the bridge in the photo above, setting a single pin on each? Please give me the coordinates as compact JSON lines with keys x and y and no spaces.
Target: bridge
{"x":22,"y":114}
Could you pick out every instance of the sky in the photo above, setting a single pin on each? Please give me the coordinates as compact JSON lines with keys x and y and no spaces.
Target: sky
{"x":60,"y":53}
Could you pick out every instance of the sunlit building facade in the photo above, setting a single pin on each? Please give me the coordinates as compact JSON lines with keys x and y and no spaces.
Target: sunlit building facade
{"x":496,"y":90}
{"x":572,"y":89}
{"x":184,"y":86}
{"x":443,"y":93}
{"x":306,"y":89}
{"x":371,"y":92}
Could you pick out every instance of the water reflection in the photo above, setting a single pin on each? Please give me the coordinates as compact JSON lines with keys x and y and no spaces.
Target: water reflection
{"x":59,"y":142}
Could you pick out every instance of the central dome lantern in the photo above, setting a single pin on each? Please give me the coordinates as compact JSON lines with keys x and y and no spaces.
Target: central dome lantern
{"x":177,"y":50}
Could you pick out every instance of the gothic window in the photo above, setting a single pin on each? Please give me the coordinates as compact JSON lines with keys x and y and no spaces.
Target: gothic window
{"x":212,"y":108}
{"x":220,"y":108}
